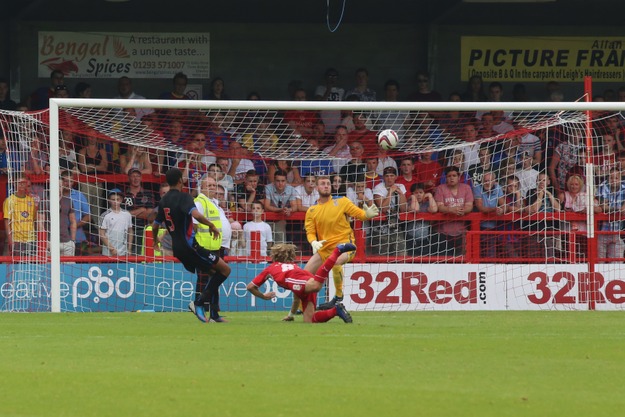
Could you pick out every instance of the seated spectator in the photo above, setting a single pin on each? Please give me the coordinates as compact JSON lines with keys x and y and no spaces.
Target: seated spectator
{"x":475,"y":90}
{"x":258,"y":225}
{"x":362,"y":134}
{"x":372,"y":178}
{"x":339,"y":149}
{"x":40,"y":98}
{"x":83,"y":90}
{"x":456,"y":159}
{"x":218,"y":140}
{"x":250,"y":191}
{"x":420,"y":239}
{"x":527,"y":175}
{"x":385,"y":161}
{"x":454,"y":198}
{"x":424,"y":91}
{"x":574,"y":199}
{"x":260,"y":138}
{"x":484,"y":165}
{"x":125,"y":91}
{"x":180,"y":82}
{"x":240,"y":165}
{"x":338,"y":188}
{"x":406,"y":176}
{"x":356,"y":167}
{"x":514,"y":204}
{"x":359,"y":194}
{"x":302,"y":122}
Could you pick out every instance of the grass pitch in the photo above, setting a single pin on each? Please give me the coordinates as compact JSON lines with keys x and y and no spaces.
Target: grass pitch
{"x":385,"y":364}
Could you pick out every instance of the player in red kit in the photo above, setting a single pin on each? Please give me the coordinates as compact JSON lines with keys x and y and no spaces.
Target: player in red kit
{"x":304,"y":284}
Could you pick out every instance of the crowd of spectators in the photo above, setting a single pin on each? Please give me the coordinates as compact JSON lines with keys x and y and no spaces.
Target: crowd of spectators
{"x":519,"y":174}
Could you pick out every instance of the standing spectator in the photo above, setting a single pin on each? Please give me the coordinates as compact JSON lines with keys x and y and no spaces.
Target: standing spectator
{"x":611,"y":196}
{"x":456,"y":199}
{"x":424,"y":91}
{"x":565,"y":157}
{"x":514,"y":204}
{"x":293,"y":176}
{"x":428,"y":171}
{"x":406,"y":175}
{"x":5,"y":96}
{"x":20,"y":219}
{"x":116,"y":227}
{"x":191,"y":163}
{"x":330,"y":91}
{"x":385,"y":161}
{"x":258,"y":225}
{"x":280,"y":198}
{"x":390,"y":197}
{"x":249,"y":192}
{"x":136,"y":158}
{"x":420,"y":239}
{"x":140,"y":203}
{"x":126,"y":92}
{"x":489,"y":198}
{"x":356,"y":168}
{"x":67,"y":221}
{"x":542,"y":200}
{"x":239,"y":162}
{"x":82,"y":212}
{"x":306,"y":195}
{"x":216,"y":91}
{"x":372,"y":178}
{"x":362,"y":90}
{"x":339,"y":149}
{"x":477,"y":171}
{"x":527,"y":175}
{"x":180,"y":82}
{"x":302,"y":122}
{"x":92,"y":161}
{"x":40,"y":98}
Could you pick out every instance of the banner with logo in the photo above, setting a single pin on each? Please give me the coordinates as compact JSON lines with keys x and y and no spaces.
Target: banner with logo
{"x":542,"y":59}
{"x":116,"y":54}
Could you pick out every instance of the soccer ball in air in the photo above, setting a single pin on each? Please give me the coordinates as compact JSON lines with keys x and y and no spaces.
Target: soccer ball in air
{"x":387,"y":139}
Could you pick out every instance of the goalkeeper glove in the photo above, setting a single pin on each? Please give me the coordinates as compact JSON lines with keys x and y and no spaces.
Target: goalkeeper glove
{"x":371,"y":211}
{"x":316,"y":245}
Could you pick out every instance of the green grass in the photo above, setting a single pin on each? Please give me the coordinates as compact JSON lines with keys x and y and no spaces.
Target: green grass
{"x":385,"y":364}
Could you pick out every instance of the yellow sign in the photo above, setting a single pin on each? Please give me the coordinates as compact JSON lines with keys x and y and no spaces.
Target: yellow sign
{"x":542,"y":59}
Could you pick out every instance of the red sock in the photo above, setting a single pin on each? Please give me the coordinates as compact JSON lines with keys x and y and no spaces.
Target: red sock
{"x":324,"y":315}
{"x":324,"y":270}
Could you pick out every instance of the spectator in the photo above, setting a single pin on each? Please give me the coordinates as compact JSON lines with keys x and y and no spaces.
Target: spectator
{"x":456,"y":159}
{"x":116,"y":227}
{"x":456,"y":199}
{"x":611,"y":196}
{"x":543,"y":243}
{"x":258,"y":225}
{"x":250,"y":191}
{"x":390,"y":197}
{"x":140,"y":203}
{"x":20,"y":213}
{"x":475,"y":90}
{"x":221,"y":174}
{"x":362,"y":90}
{"x":489,"y":199}
{"x":315,"y":166}
{"x":356,"y":167}
{"x":92,"y":161}
{"x":513,"y":205}
{"x":217,"y":90}
{"x":372,"y":178}
{"x":239,"y":163}
{"x":420,"y":239}
{"x":301,"y":122}
{"x":527,"y":175}
{"x":67,"y":222}
{"x":428,"y":171}
{"x":359,"y":194}
{"x":385,"y":161}
{"x":280,"y":198}
{"x":362,"y":134}
{"x":136,"y":158}
{"x":330,"y":91}
{"x":82,"y":211}
{"x":260,"y":137}
{"x":40,"y":98}
{"x":424,"y":91}
{"x":339,"y":149}
{"x":227,"y":222}
{"x":292,"y":173}
{"x":218,"y":140}
{"x":126,"y":92}
{"x":180,"y":82}
{"x":82,"y":90}
{"x":391,"y":119}
{"x":5,"y":96}
{"x":306,"y":194}
{"x":484,"y":165}
{"x":191,"y":163}
{"x":406,"y":175}
{"x":565,"y":157}
{"x":338,"y":187}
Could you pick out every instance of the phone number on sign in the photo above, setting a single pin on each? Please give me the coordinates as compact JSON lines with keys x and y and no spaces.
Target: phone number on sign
{"x":157,"y":65}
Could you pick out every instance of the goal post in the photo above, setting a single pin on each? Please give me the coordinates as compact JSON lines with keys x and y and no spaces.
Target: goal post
{"x":508,"y":253}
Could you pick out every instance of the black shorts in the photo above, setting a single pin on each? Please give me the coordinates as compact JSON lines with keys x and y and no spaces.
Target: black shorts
{"x":196,"y":258}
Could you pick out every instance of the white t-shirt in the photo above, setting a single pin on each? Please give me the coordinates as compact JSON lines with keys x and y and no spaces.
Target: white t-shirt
{"x":353,"y":196}
{"x":116,"y":225}
{"x":265,"y":236}
{"x":306,"y":199}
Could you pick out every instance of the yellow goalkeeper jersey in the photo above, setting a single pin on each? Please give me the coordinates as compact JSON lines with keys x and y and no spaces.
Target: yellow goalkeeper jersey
{"x":21,"y":212}
{"x":329,"y":221}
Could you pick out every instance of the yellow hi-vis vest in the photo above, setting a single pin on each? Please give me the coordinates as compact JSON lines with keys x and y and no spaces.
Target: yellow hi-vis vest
{"x":203,"y":235}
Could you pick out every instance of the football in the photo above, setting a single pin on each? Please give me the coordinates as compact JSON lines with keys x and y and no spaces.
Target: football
{"x":388,"y":139}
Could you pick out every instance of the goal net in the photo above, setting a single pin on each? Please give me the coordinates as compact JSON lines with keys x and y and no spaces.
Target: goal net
{"x":482,"y":205}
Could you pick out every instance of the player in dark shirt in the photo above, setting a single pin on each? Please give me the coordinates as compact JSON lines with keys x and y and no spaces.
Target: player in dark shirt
{"x":176,"y":211}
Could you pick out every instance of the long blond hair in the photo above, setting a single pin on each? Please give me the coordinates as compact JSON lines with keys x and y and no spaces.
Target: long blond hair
{"x":283,"y":252}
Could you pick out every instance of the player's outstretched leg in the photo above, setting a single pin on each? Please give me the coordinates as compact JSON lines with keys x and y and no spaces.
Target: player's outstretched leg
{"x":343,"y":313}
{"x":338,"y":271}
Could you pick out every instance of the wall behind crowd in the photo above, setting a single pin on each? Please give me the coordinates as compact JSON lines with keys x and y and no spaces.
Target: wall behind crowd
{"x":259,"y":57}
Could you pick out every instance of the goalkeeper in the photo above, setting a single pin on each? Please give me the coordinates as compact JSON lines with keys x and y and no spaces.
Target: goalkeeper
{"x":327,"y":225}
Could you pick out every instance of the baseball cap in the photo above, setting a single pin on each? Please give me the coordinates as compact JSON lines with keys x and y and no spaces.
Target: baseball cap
{"x":115,"y":191}
{"x":132,"y":171}
{"x":389,"y":170}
